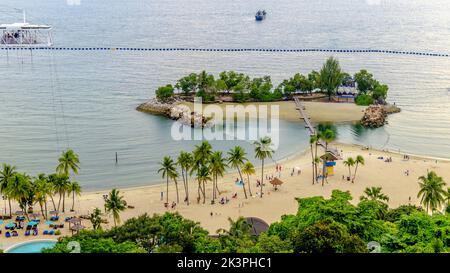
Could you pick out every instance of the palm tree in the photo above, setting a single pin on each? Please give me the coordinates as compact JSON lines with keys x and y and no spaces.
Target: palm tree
{"x":330,"y":76}
{"x":359,"y":161}
{"x":169,"y":171}
{"x":432,"y":191}
{"x":60,"y":185}
{"x":248,"y":169}
{"x":263,"y":150}
{"x":185,"y":160}
{"x":201,"y":155}
{"x":96,"y":218}
{"x":115,"y":204}
{"x":236,"y":158}
{"x":6,"y":174}
{"x":203,"y":176}
{"x":375,"y":194}
{"x":68,"y":162}
{"x":350,"y":162}
{"x":217,"y":167}
{"x":75,"y":189}
{"x":42,"y":188}
{"x":238,"y":228}
{"x":19,"y":189}
{"x":327,"y":136}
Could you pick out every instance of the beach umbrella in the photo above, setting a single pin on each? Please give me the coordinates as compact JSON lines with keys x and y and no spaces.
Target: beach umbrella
{"x":77,"y":228}
{"x":276,"y":181}
{"x":258,"y":225}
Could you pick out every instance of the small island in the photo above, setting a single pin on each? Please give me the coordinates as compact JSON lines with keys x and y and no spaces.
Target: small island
{"x":330,"y":95}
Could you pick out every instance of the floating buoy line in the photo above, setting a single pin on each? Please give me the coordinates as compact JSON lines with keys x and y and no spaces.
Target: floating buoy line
{"x":283,"y":50}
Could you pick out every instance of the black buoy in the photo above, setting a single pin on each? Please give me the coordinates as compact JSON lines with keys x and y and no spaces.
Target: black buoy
{"x":117,"y":161}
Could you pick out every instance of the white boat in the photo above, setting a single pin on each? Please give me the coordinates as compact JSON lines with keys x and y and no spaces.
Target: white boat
{"x":25,"y":35}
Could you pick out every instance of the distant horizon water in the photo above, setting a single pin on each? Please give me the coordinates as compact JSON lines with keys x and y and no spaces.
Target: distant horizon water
{"x":87,"y":100}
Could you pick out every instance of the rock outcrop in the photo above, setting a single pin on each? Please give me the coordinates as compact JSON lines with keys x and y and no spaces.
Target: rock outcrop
{"x":175,"y":111}
{"x":374,"y":116}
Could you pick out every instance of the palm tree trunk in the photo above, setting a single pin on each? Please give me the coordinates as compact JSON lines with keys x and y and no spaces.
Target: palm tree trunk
{"x":248,"y":182}
{"x":64,"y":202}
{"x":349,"y":171}
{"x":45,"y":205}
{"x":167,"y":191}
{"x":42,"y":208}
{"x":354,"y":175}
{"x":217,"y":187}
{"x":187,"y":188}
{"x":243,"y":183}
{"x":59,"y":202}
{"x":214,"y":188}
{"x":324,"y":161}
{"x":262,"y":178}
{"x":73,"y":201}
{"x":176,"y":188}
{"x":184,"y":183}
{"x":53,"y":202}
{"x":313,"y":164}
{"x":204,"y":193}
{"x":9,"y":202}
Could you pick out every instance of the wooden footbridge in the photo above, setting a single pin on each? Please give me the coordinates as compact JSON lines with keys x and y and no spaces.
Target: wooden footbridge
{"x":312,"y":130}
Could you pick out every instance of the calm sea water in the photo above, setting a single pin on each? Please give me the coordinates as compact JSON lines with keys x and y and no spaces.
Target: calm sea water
{"x":87,"y":100}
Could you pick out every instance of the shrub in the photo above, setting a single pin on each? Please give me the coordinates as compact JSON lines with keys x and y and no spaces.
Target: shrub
{"x":164,"y":93}
{"x":364,"y":100}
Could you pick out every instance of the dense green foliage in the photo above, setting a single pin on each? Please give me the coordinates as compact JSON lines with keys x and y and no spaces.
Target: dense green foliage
{"x":242,"y":88}
{"x":333,"y":225}
{"x":370,"y":90}
{"x":364,"y":100}
{"x":164,"y":93}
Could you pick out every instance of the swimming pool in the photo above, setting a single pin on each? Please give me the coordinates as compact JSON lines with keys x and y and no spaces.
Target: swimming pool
{"x":31,"y":247}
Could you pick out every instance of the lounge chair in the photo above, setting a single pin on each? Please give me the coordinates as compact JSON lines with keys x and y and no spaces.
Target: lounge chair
{"x":35,"y":232}
{"x":8,"y":234}
{"x":15,"y":234}
{"x":27,"y":233}
{"x":51,"y":232}
{"x":45,"y":232}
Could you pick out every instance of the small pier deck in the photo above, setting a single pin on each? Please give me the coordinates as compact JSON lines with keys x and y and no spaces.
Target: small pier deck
{"x":312,"y":130}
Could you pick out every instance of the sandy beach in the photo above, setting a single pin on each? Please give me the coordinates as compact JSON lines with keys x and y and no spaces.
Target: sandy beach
{"x":317,"y":111}
{"x":401,"y":189}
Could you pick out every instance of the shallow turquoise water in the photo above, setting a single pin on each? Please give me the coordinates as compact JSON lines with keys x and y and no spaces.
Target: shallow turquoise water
{"x":32,"y":247}
{"x":87,"y":100}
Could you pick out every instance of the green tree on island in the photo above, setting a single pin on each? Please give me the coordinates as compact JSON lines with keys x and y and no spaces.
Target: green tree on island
{"x":263,"y":150}
{"x":330,"y":76}
{"x":432,"y":194}
{"x":115,"y":204}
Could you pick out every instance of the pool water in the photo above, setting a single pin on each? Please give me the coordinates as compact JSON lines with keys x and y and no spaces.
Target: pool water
{"x":31,"y":247}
